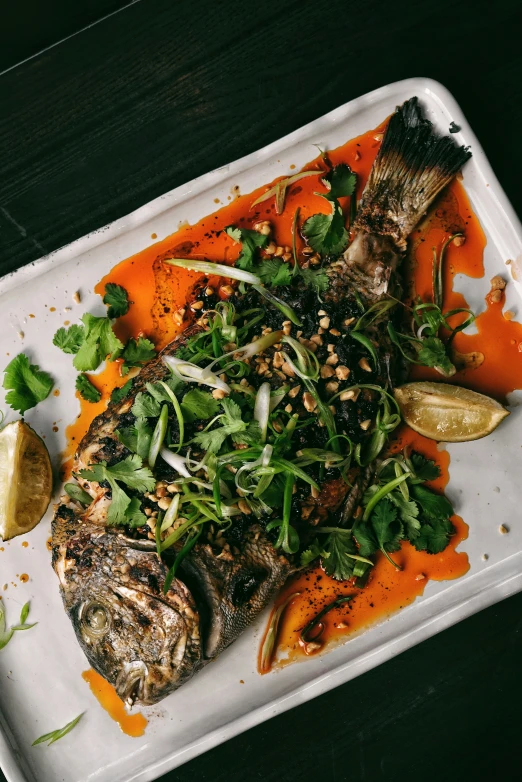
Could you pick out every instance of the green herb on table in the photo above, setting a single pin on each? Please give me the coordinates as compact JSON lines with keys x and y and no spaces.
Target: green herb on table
{"x":99,"y":342}
{"x":26,"y":384}
{"x":69,"y":340}
{"x":87,"y":390}
{"x":55,"y":735}
{"x":7,"y":633}
{"x":117,"y":300}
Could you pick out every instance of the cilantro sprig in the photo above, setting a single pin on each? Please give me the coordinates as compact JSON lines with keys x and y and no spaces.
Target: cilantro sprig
{"x":397,"y":507}
{"x":424,"y":346}
{"x":326,"y":233}
{"x":86,"y":389}
{"x":131,"y":473}
{"x":116,"y":299}
{"x":26,"y":384}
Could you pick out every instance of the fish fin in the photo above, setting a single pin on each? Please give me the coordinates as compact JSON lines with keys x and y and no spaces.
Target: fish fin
{"x":414,"y":163}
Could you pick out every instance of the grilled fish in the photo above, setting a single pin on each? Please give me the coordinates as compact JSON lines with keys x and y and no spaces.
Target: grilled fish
{"x":147,"y":642}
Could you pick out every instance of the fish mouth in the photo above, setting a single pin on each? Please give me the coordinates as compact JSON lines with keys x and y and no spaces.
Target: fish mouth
{"x":131,"y":684}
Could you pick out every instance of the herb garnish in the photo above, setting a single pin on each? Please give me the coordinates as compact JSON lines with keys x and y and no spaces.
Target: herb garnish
{"x":7,"y":634}
{"x":326,"y":233}
{"x":133,"y":475}
{"x":396,"y":507}
{"x":86,"y":389}
{"x":424,"y":346}
{"x":136,"y":353}
{"x":271,"y":271}
{"x":98,"y":342}
{"x":26,"y":384}
{"x":117,"y":300}
{"x":55,"y":735}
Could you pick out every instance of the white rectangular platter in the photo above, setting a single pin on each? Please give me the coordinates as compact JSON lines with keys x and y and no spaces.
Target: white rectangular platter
{"x":40,"y":671}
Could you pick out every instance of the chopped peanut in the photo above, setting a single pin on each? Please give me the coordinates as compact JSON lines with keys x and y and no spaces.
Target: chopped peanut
{"x":332,"y":359}
{"x":309,"y":402}
{"x":342,"y":372}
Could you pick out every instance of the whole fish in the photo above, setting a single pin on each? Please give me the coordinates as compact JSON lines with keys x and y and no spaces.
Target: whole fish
{"x":146,"y":640}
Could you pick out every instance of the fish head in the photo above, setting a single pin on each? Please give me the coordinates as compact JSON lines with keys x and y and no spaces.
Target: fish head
{"x":142,"y":641}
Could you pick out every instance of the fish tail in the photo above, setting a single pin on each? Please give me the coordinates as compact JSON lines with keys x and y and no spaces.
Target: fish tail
{"x":413,"y":165}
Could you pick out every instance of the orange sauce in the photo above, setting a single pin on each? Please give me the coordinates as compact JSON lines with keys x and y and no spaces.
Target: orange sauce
{"x":131,"y":724}
{"x":158,"y":290}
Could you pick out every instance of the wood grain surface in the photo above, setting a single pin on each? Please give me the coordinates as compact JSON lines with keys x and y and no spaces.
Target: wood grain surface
{"x":157,"y":92}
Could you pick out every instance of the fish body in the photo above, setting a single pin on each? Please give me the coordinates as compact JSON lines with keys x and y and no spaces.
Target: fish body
{"x":146,"y":640}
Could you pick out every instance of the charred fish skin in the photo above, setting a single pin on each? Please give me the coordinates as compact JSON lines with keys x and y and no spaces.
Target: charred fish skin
{"x":234,"y":587}
{"x":147,"y":644}
{"x":143,"y":642}
{"x":413,"y":165}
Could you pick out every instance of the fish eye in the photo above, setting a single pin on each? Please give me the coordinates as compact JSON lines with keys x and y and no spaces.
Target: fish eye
{"x":94,"y":619}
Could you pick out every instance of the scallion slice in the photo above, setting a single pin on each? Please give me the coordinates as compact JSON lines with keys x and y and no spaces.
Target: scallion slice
{"x":218,"y":269}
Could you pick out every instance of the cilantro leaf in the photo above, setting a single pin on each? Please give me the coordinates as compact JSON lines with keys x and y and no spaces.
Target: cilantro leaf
{"x":340,"y":182}
{"x":99,"y":342}
{"x":273,"y":271}
{"x":133,"y":474}
{"x":118,"y":394}
{"x":408,"y":512}
{"x":365,"y":537}
{"x":434,"y":506}
{"x":69,"y":340}
{"x":250,"y":241}
{"x":312,"y":553}
{"x":433,"y":354}
{"x":26,"y":384}
{"x":199,"y":404}
{"x":387,"y":528}
{"x":317,"y":279}
{"x":134,"y":517}
{"x":145,"y":406}
{"x":213,"y":440}
{"x":136,"y":352}
{"x":251,"y":434}
{"x":325,"y":233}
{"x":434,"y":536}
{"x":232,"y":411}
{"x":116,"y":299}
{"x":86,"y":389}
{"x":136,"y":438}
{"x":157,"y":390}
{"x":337,"y":564}
{"x":425,"y":469}
{"x":130,"y":472}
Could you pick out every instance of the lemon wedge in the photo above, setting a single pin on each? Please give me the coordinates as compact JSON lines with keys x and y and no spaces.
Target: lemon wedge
{"x":26,"y":480}
{"x":441,"y":411}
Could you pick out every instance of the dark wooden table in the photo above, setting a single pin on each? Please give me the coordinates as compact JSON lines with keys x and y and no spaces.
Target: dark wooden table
{"x":105,"y":105}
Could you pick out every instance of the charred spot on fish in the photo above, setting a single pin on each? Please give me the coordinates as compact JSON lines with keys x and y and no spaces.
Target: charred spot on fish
{"x":63,"y":513}
{"x":143,"y":620}
{"x":152,"y":581}
{"x":244,"y":584}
